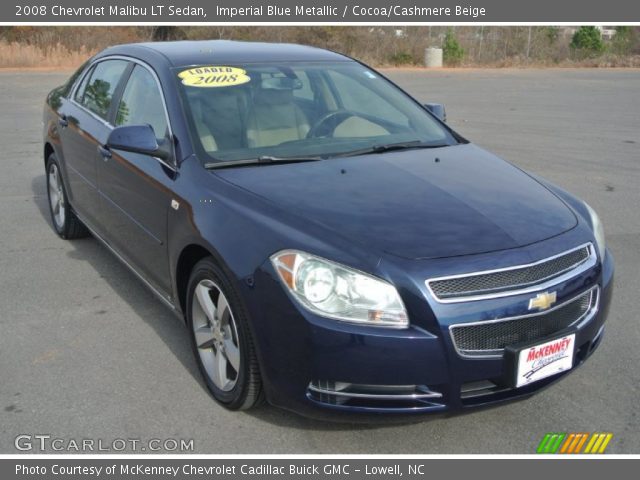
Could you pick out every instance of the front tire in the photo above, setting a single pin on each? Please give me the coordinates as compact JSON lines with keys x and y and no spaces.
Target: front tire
{"x":221,"y":340}
{"x":64,"y":220}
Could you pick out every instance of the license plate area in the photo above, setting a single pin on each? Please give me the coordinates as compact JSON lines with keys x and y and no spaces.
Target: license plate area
{"x":533,"y":362}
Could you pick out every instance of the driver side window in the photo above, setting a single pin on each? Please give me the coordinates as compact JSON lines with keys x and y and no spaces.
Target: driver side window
{"x":142,"y":104}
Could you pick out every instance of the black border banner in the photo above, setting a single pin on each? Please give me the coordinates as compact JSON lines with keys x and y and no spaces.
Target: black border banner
{"x":314,"y":468}
{"x":321,"y":11}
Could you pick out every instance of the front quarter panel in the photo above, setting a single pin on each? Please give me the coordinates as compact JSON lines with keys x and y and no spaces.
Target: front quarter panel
{"x":243,"y":230}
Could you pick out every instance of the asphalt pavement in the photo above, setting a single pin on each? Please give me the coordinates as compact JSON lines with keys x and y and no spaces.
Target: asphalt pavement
{"x":87,"y":352}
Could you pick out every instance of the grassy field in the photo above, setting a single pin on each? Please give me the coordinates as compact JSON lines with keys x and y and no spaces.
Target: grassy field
{"x":17,"y":55}
{"x":479,"y":46}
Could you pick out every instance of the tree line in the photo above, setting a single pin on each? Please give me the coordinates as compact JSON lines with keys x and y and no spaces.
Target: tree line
{"x":379,"y":45}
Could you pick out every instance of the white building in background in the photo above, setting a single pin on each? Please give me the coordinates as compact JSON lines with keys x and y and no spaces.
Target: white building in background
{"x":606,"y":33}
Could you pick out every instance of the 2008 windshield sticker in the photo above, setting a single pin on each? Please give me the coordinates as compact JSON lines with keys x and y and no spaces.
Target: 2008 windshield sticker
{"x":214,"y":76}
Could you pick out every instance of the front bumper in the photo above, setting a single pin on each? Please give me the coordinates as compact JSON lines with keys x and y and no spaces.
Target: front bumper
{"x":400,"y":372}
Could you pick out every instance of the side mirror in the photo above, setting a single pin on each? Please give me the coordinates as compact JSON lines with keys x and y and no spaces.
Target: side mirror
{"x":136,"y":139}
{"x":438,"y":110}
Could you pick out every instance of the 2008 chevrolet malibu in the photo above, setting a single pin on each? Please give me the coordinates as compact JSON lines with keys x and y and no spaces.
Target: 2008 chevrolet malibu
{"x":332,"y":245}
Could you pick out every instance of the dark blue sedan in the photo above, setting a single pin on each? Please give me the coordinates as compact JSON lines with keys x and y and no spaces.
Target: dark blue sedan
{"x":332,"y":245}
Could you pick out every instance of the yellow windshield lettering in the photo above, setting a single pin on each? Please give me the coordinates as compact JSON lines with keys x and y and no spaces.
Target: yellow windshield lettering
{"x":214,"y":76}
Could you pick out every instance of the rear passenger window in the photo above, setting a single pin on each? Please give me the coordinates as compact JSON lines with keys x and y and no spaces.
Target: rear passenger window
{"x":98,"y":92}
{"x":83,"y":86}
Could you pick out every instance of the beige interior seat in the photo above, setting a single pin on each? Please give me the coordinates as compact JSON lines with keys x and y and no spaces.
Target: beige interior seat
{"x":206,"y":136}
{"x":358,"y":127}
{"x":275,"y":118}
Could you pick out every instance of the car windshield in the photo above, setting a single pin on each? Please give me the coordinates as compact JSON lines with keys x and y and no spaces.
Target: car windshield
{"x":242,"y":112}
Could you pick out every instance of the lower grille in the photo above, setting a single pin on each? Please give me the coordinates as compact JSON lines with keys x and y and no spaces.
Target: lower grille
{"x":391,"y":397}
{"x":479,"y":389}
{"x":492,"y":336}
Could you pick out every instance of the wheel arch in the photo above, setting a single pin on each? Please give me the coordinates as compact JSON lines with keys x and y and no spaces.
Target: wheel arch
{"x":189,"y":256}
{"x":48,"y":150}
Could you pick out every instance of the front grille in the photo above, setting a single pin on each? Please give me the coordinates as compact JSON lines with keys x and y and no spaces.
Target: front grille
{"x":491,"y":337}
{"x":495,"y":282}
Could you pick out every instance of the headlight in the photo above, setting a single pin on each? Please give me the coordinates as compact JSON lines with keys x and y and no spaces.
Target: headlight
{"x":339,"y":292}
{"x":598,"y":231}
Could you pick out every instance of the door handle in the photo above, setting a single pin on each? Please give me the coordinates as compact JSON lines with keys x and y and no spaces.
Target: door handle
{"x":62,"y":121}
{"x":105,"y":152}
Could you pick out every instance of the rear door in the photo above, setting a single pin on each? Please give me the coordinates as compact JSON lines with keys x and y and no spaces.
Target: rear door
{"x":86,"y":127}
{"x":137,"y":188}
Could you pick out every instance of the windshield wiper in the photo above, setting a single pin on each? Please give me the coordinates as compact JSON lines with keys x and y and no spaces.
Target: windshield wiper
{"x":262,"y":160}
{"x":392,"y":146}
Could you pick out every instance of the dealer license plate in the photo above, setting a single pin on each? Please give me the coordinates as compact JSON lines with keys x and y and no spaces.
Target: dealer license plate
{"x":546,"y":359}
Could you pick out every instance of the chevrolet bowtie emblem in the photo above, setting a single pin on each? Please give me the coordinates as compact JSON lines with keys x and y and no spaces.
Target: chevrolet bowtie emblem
{"x":542,"y":301}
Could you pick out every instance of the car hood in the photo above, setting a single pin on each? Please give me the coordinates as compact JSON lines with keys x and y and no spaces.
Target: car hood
{"x":433,"y":203}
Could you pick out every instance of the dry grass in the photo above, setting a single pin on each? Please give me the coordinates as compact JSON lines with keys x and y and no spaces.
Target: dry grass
{"x":14,"y":55}
{"x":485,"y":47}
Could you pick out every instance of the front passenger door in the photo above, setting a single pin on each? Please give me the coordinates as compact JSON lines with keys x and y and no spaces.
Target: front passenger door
{"x":137,"y":188}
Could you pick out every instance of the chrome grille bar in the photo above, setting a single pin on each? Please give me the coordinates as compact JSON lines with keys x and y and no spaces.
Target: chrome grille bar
{"x":513,"y":280}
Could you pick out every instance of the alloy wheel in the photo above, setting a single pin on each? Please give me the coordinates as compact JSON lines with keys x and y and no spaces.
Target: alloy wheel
{"x":56,"y":196}
{"x":216,"y":335}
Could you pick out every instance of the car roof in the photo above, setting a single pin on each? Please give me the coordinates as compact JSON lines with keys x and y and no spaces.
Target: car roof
{"x":211,"y":52}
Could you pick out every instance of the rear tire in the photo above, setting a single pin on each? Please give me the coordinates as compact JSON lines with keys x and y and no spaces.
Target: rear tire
{"x":221,"y":339}
{"x":64,"y":220}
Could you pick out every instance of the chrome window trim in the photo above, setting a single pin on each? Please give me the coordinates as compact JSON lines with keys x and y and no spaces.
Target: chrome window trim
{"x":93,"y":114}
{"x":72,"y":97}
{"x":578,"y":323}
{"x":577,"y":269}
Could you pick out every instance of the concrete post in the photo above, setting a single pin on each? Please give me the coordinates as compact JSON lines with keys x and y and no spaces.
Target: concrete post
{"x":433,"y":57}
